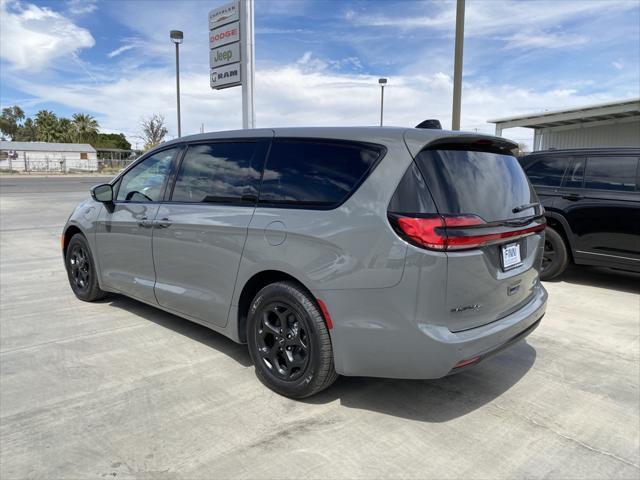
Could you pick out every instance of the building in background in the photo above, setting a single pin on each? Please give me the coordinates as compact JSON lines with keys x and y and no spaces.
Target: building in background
{"x":615,"y":124}
{"x":42,"y":157}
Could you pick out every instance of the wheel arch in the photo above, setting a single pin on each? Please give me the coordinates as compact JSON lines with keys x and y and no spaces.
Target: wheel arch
{"x":560,"y":225}
{"x":256,"y":283}
{"x":67,"y":234}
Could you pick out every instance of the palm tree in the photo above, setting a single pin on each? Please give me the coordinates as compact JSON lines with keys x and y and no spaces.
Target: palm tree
{"x":68,"y":131}
{"x":47,"y":127}
{"x":85,"y":126}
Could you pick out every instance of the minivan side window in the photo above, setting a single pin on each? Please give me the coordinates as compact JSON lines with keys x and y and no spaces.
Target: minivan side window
{"x":222,"y":172}
{"x":315,"y":173}
{"x":548,"y":172}
{"x":145,"y":181}
{"x":611,"y":173}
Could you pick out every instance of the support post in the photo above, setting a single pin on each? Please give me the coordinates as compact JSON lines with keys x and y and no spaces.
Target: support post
{"x":248,"y":65}
{"x":178,"y":86}
{"x":457,"y":68}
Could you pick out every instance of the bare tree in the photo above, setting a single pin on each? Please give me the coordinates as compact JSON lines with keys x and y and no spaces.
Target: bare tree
{"x":153,"y":130}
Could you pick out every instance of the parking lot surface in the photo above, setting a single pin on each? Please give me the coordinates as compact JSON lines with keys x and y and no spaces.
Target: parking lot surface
{"x":118,"y":389}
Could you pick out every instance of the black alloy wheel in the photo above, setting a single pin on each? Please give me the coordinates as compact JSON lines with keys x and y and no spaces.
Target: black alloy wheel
{"x":283,"y":341}
{"x":80,"y":267}
{"x":289,"y":341}
{"x":555,"y":257}
{"x":81,"y":270}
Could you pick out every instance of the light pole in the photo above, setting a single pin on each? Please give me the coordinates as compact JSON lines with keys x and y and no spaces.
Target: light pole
{"x":382,"y":82}
{"x":457,"y":67}
{"x":176,"y":37}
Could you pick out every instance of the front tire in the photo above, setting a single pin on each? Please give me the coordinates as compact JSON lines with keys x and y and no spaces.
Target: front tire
{"x":81,"y":270}
{"x":289,"y":342}
{"x":555,"y":257}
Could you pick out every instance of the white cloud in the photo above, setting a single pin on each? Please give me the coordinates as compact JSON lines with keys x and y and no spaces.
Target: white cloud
{"x":118,"y":51}
{"x":617,"y":64}
{"x":532,"y":39}
{"x":81,"y":7}
{"x":494,"y":17}
{"x":299,"y":95}
{"x":33,"y":37}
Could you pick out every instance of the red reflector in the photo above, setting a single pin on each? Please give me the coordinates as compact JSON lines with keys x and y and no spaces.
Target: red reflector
{"x":62,"y":241}
{"x":441,"y":232}
{"x":464,"y":363}
{"x":325,"y":313}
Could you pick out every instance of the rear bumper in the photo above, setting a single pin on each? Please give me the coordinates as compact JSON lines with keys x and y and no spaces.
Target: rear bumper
{"x":416,"y":350}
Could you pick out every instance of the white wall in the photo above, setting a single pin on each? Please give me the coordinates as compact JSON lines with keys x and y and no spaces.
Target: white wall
{"x":51,"y":162}
{"x":598,"y":134}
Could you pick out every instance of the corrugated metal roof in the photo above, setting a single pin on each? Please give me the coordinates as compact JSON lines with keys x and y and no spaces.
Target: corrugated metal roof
{"x":588,"y":113}
{"x":47,"y":147}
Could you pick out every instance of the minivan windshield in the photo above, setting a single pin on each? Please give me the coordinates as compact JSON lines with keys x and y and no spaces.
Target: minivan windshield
{"x":489,"y":185}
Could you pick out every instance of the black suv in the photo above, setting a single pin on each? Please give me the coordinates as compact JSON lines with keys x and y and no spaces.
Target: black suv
{"x":592,"y":203}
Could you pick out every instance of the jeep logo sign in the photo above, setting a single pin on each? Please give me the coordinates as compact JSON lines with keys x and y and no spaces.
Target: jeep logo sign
{"x":224,"y":35}
{"x":228,"y":76}
{"x":225,"y":55}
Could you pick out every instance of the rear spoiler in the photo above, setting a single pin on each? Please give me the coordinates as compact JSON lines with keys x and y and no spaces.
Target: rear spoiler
{"x":421,"y":139}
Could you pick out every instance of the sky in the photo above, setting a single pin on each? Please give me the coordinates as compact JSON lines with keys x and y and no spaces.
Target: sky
{"x":318,"y":62}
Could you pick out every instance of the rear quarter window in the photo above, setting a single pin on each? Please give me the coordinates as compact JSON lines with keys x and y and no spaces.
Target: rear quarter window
{"x":315,"y":173}
{"x":547,"y":172}
{"x":611,"y":173}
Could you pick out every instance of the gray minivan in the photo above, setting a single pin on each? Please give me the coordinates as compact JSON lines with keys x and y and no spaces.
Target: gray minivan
{"x":386,"y":252}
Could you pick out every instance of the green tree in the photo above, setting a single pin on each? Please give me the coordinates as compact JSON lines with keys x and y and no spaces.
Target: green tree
{"x":10,"y":121}
{"x":27,"y":132}
{"x":85,"y":127}
{"x":111,"y":140}
{"x":48,"y":127}
{"x":68,"y":131}
{"x":153,"y":131}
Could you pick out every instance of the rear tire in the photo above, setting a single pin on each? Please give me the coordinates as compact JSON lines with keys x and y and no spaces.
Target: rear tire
{"x":555,"y":257}
{"x":81,"y":270}
{"x":289,"y":342}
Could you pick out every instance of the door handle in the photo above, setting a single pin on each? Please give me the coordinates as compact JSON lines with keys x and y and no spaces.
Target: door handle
{"x":163,"y":223}
{"x":144,"y":222}
{"x":572,"y":196}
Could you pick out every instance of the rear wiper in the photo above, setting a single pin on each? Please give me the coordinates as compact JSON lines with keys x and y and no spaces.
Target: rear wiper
{"x":525,"y":207}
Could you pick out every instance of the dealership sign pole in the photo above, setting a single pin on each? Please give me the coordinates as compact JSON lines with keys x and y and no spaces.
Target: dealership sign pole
{"x":231,"y":55}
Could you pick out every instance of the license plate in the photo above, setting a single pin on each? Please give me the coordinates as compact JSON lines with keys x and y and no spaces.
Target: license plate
{"x":511,"y":256}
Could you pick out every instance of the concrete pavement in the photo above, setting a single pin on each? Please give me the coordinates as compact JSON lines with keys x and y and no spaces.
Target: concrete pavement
{"x":118,"y":389}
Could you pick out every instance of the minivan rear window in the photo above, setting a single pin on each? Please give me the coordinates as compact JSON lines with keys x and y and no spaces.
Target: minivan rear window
{"x":315,"y":173}
{"x":486,"y":184}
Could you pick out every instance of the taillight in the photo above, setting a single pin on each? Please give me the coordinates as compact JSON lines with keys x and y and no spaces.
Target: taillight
{"x":438,"y":232}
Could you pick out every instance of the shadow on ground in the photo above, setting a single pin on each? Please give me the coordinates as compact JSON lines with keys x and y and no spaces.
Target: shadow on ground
{"x":438,"y":400}
{"x":184,"y":327}
{"x":601,"y":277}
{"x":423,"y":400}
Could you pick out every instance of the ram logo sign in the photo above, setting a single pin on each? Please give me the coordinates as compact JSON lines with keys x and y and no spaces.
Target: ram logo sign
{"x":224,"y":77}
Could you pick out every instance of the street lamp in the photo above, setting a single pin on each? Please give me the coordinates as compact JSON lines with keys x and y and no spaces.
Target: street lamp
{"x":176,"y":37}
{"x":382,"y":82}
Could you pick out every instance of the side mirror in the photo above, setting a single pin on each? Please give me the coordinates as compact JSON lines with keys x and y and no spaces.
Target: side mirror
{"x":102,"y":193}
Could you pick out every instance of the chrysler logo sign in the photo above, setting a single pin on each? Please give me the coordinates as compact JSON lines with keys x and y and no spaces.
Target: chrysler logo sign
{"x":227,"y":13}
